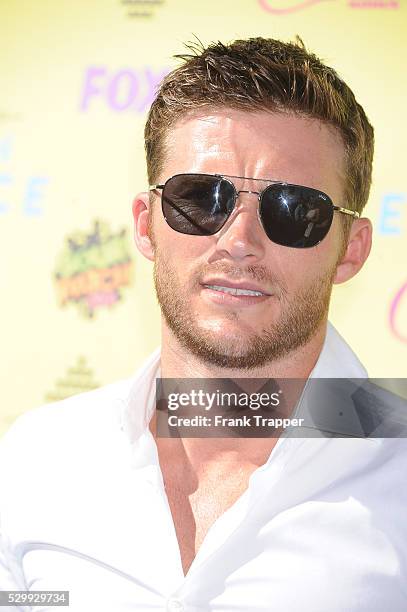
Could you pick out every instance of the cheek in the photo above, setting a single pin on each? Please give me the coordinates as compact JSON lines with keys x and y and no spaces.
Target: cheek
{"x":300,"y":268}
{"x":184,"y":251}
{"x":335,"y":242}
{"x":324,"y":256}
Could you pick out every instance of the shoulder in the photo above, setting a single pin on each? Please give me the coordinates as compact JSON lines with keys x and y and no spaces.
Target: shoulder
{"x":381,"y":412}
{"x":71,"y":421}
{"x":79,"y":424}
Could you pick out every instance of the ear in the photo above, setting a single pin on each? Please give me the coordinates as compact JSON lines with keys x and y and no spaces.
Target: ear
{"x":141,"y":214}
{"x":358,"y":249}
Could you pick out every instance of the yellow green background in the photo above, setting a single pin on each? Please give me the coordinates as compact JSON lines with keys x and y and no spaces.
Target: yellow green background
{"x":94,"y":164}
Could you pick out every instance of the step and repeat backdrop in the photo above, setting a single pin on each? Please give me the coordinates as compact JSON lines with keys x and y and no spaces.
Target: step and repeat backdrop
{"x":78,"y":308}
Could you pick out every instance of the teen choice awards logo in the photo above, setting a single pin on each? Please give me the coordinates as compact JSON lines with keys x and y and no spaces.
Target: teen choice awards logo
{"x":93,"y":269}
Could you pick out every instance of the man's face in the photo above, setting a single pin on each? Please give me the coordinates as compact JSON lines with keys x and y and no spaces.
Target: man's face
{"x":238,"y":331}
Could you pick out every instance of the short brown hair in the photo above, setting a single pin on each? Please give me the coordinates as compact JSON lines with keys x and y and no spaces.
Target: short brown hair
{"x":264,"y":74}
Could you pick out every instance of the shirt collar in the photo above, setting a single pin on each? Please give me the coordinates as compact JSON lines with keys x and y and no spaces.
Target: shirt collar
{"x":336,"y":360}
{"x":138,"y":405}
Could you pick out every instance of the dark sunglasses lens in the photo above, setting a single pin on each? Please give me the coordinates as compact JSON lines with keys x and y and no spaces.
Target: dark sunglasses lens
{"x":295,"y":216}
{"x":197,"y":203}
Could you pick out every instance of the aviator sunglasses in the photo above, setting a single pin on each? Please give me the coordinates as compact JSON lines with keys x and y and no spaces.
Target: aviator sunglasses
{"x":291,"y":215}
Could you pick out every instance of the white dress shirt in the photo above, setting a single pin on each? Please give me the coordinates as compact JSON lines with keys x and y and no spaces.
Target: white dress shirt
{"x":322,"y":526}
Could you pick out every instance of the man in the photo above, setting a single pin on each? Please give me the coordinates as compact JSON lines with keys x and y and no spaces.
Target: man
{"x":259,"y":162}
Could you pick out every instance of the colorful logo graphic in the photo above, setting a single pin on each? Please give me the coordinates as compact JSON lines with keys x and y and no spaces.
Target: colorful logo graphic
{"x":127,"y":89}
{"x":93,"y":269}
{"x":78,"y":379}
{"x":279,"y":7}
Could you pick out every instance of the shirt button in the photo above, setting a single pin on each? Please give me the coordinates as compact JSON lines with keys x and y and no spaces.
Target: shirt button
{"x":174,"y":605}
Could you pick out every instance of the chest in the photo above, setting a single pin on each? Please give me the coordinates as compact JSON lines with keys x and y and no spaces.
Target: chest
{"x":195,"y":509}
{"x":311,"y":540}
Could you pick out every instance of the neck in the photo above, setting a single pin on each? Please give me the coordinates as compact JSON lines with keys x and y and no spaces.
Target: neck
{"x":198,"y":454}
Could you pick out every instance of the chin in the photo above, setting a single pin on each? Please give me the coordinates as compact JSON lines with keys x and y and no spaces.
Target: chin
{"x":219,"y":330}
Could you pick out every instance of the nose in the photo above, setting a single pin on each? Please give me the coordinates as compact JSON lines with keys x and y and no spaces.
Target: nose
{"x":243,"y":237}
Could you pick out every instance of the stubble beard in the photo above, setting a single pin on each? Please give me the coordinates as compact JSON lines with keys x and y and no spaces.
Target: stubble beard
{"x":301,"y":317}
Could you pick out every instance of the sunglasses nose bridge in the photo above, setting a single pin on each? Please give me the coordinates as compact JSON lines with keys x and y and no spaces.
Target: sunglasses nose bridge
{"x":246,"y":191}
{"x":238,"y":192}
{"x":236,"y":207}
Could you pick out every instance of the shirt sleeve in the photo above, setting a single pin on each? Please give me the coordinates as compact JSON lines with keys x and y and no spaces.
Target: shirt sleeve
{"x":7,"y":580}
{"x":11,"y":576}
